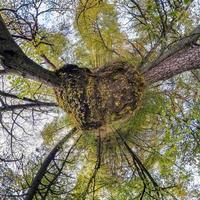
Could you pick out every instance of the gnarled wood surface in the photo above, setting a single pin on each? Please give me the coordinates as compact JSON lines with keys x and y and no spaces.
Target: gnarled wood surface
{"x":97,"y":98}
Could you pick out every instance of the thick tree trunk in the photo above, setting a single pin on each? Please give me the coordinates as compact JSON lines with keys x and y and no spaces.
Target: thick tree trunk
{"x":98,"y":98}
{"x":15,"y":61}
{"x":183,"y":56}
{"x":184,"y":60}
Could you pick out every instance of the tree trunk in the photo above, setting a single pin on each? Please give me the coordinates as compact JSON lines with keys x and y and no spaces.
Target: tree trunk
{"x":15,"y":61}
{"x":184,"y":60}
{"x":183,"y":56}
{"x":43,"y":169}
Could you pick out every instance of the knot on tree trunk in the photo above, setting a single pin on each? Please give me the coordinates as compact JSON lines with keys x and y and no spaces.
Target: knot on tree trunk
{"x":97,"y":98}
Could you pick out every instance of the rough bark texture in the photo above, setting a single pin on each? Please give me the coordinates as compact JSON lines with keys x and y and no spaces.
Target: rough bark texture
{"x":100,"y":97}
{"x":184,"y":60}
{"x":183,"y":56}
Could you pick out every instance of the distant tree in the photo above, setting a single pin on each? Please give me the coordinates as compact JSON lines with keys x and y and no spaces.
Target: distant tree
{"x":130,"y":100}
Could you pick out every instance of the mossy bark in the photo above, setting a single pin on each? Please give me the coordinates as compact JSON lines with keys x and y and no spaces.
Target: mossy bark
{"x":97,"y":98}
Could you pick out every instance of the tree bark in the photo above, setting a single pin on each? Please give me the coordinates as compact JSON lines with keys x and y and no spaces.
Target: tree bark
{"x":185,"y":60}
{"x":183,"y":56}
{"x":15,"y":61}
{"x":43,"y":169}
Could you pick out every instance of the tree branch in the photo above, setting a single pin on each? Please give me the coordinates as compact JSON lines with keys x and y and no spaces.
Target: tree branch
{"x":17,"y":62}
{"x":26,"y":106}
{"x":181,"y":57}
{"x":185,"y":60}
{"x":41,"y":172}
{"x":2,"y":72}
{"x":34,"y":103}
{"x":13,"y":96}
{"x":181,"y":44}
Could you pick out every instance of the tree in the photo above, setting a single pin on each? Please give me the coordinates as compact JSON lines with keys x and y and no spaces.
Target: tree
{"x":126,"y":142}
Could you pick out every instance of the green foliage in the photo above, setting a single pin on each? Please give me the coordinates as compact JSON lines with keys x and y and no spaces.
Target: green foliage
{"x":160,"y":133}
{"x":27,"y":88}
{"x":51,"y":130}
{"x":150,"y":106}
{"x":99,"y":32}
{"x":187,"y":1}
{"x":157,"y":24}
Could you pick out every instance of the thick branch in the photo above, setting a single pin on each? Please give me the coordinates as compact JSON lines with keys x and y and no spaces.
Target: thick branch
{"x":181,"y":57}
{"x":185,"y":60}
{"x":15,"y":61}
{"x":181,"y":44}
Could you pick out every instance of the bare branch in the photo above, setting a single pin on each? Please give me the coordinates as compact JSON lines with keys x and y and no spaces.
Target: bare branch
{"x":26,"y":106}
{"x":2,"y":72}
{"x":13,"y":96}
{"x":41,"y":172}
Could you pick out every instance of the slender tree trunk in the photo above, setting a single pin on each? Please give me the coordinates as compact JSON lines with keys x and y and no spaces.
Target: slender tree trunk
{"x":43,"y":169}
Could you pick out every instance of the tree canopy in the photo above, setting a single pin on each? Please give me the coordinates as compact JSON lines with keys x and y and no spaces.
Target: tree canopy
{"x":120,"y":120}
